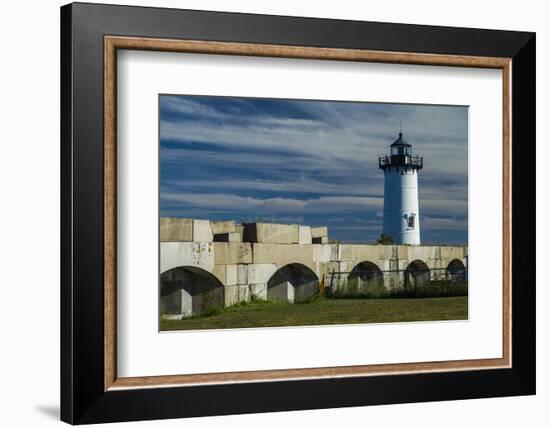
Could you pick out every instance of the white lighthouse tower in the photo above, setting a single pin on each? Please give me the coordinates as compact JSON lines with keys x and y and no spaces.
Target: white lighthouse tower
{"x":401,"y":215}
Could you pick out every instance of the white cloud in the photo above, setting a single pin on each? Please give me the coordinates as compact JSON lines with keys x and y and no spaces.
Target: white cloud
{"x":303,"y":186}
{"x":434,"y":223}
{"x":226,"y":202}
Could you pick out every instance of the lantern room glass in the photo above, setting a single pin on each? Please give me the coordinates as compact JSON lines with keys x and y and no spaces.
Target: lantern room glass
{"x":401,"y":151}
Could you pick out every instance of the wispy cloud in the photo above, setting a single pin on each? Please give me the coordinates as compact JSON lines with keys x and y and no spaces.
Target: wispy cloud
{"x":305,"y":185}
{"x":225,"y":202}
{"x":442,"y":223}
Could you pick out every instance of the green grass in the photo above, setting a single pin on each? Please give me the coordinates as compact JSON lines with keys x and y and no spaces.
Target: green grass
{"x":324,"y":311}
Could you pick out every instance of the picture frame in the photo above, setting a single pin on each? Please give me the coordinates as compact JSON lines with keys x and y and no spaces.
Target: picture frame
{"x":91,"y":391}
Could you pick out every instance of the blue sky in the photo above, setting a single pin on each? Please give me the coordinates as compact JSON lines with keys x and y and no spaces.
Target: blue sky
{"x":309,"y":162}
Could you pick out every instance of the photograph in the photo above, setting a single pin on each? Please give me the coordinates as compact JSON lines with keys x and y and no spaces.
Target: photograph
{"x":291,"y":212}
{"x":268,"y":210}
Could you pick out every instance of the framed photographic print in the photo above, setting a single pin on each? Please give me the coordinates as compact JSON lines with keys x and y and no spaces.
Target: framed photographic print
{"x":266,"y":213}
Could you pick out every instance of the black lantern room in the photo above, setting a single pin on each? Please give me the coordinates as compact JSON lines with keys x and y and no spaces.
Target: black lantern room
{"x":401,"y":155}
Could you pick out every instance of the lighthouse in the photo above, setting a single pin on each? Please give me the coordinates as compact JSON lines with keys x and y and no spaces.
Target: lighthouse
{"x":401,"y":215}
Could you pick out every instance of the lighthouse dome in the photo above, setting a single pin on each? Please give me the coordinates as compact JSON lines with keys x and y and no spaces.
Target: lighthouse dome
{"x":400,"y":142}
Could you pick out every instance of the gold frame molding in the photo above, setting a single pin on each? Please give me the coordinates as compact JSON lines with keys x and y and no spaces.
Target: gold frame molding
{"x":113,"y":43}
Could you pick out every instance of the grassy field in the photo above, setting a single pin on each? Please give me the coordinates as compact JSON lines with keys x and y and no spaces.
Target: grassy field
{"x":327,"y":311}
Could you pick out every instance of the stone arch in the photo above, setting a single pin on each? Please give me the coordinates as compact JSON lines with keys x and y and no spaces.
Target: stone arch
{"x":366,"y":273}
{"x":293,"y":282}
{"x":456,"y":271}
{"x":189,"y":290}
{"x":416,"y":274}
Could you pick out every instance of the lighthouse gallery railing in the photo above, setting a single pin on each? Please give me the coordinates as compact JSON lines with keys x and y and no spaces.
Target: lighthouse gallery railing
{"x":400,"y":160}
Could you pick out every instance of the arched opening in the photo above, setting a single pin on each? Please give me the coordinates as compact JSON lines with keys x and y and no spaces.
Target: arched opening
{"x":456,"y":271}
{"x":366,"y":274}
{"x":293,"y":283}
{"x":417,"y":274}
{"x":187,"y":291}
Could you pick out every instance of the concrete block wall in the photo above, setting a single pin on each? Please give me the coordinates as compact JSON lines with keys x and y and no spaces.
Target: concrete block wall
{"x":252,"y":253}
{"x":195,"y":230}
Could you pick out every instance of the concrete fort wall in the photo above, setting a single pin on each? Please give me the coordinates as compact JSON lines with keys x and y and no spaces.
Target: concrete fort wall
{"x":262,"y":260}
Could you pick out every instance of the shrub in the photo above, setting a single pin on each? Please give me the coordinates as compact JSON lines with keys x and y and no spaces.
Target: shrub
{"x":375,"y":290}
{"x":385,"y":239}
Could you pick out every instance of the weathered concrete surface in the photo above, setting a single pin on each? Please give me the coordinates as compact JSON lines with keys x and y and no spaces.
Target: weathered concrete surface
{"x":219,"y":227}
{"x":202,"y":232}
{"x":176,"y":229}
{"x":283,"y":254}
{"x":321,"y":253}
{"x":258,"y":291}
{"x":304,"y":235}
{"x":231,"y":253}
{"x":242,"y":274}
{"x":268,"y":233}
{"x":180,"y":254}
{"x":354,"y":254}
{"x":239,"y":228}
{"x":231,"y":274}
{"x":260,"y":273}
{"x":235,"y":294}
{"x":319,"y":232}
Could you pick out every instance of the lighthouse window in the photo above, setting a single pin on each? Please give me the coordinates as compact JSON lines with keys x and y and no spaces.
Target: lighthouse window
{"x":410,"y":221}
